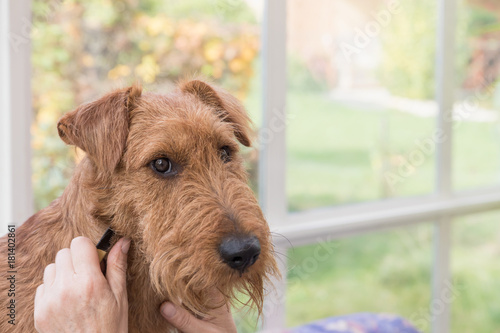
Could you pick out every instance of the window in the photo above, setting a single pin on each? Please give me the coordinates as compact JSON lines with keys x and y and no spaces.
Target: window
{"x":384,"y":272}
{"x":360,"y":99}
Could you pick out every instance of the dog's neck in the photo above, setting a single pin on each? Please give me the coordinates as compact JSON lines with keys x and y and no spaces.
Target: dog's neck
{"x":87,"y":207}
{"x":79,"y":201}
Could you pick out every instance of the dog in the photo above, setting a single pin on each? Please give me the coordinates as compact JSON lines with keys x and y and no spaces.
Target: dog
{"x":165,"y":171}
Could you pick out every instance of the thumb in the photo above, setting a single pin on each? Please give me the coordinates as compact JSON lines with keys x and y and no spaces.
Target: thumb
{"x":116,"y":271}
{"x":182,"y":319}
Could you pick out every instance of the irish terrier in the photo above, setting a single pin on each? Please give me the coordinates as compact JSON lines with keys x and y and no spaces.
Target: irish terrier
{"x":163,"y":170}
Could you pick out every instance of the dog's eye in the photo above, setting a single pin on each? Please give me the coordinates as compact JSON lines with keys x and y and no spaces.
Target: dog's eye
{"x":163,"y":166}
{"x":225,"y":154}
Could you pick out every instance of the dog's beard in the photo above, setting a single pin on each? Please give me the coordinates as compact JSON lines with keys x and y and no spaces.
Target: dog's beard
{"x":183,"y":281}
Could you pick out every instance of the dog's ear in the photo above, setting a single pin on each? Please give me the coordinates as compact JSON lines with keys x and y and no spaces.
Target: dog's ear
{"x":100,"y":128}
{"x":227,"y":106}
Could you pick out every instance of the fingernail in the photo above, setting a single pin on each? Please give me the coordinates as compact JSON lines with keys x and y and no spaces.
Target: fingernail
{"x":125,"y":245}
{"x":168,"y":310}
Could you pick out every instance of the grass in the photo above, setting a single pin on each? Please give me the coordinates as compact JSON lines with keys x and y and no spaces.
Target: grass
{"x":340,"y":154}
{"x":475,"y":267}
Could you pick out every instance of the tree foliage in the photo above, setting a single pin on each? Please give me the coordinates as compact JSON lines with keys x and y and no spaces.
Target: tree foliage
{"x":82,"y":49}
{"x":409,"y":46}
{"x":409,"y":49}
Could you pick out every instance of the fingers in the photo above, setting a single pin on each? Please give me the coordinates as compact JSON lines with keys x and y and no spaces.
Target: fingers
{"x":64,"y":265}
{"x":39,"y":294}
{"x":220,"y":313}
{"x":182,"y":319}
{"x":49,"y":275}
{"x":219,"y":319}
{"x":85,"y":258}
{"x":116,"y":272}
{"x":79,"y":297}
{"x":38,"y":311}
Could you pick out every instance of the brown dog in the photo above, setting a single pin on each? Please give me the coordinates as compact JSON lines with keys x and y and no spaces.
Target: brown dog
{"x":163,"y":170}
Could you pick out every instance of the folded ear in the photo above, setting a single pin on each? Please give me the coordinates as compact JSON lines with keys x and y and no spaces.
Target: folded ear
{"x":100,"y":128}
{"x":227,"y":106}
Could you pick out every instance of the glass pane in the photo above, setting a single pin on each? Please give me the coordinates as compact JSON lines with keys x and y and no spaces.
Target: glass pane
{"x":476,"y":153}
{"x":475,"y":255}
{"x":360,"y":99}
{"x":385,"y":272}
{"x":83,"y":49}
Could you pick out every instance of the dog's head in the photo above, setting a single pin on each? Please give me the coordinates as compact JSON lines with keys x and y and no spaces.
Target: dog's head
{"x":169,"y":175}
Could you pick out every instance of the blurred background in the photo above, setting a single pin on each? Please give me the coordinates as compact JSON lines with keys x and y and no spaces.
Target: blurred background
{"x":361,"y":96}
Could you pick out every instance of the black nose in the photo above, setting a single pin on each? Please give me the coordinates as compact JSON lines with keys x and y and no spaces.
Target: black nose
{"x":240,"y":252}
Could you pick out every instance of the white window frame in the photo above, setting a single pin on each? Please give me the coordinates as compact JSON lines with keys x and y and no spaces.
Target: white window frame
{"x":312,"y":226}
{"x":16,"y":195}
{"x":16,"y":198}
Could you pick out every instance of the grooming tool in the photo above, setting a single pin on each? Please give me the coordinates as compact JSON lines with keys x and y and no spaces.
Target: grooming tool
{"x":103,"y":246}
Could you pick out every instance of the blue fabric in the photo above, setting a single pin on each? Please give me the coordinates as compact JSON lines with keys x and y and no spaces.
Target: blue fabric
{"x":358,"y":323}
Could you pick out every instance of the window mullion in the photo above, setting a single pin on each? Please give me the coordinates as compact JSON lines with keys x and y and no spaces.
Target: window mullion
{"x":16,"y":203}
{"x":445,"y":68}
{"x":272,"y":143}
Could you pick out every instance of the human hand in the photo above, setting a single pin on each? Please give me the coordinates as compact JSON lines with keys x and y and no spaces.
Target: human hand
{"x":220,"y":319}
{"x":76,"y":297}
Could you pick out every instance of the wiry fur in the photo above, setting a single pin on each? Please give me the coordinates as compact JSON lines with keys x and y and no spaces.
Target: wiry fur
{"x":176,"y":224}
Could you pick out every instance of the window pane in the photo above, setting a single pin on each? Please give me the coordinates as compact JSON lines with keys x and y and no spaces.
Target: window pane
{"x":83,"y":49}
{"x":386,"y":272}
{"x":360,"y":100}
{"x":476,"y":160}
{"x":476,"y":273}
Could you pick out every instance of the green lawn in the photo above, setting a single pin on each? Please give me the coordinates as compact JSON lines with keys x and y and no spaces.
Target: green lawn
{"x":340,"y":154}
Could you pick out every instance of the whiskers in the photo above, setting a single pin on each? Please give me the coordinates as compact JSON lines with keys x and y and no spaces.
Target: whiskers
{"x":277,"y":234}
{"x":282,"y":257}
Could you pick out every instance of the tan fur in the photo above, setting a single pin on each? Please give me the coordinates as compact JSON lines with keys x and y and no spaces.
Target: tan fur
{"x":176,"y":224}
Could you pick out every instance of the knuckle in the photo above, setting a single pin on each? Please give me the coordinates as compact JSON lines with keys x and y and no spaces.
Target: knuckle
{"x":88,"y":285}
{"x":120,"y":267}
{"x":40,"y":319}
{"x":65,"y":294}
{"x":41,"y":315}
{"x":183,"y":320}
